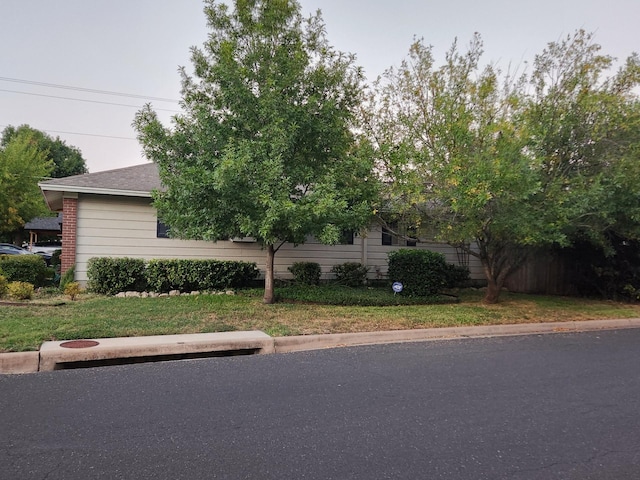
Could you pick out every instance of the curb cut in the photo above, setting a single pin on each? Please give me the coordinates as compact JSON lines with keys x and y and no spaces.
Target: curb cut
{"x":166,"y":345}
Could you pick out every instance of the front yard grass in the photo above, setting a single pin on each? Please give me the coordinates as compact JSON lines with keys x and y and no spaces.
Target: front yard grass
{"x":25,"y":327}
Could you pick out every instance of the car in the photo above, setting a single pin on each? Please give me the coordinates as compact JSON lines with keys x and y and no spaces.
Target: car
{"x":10,"y":249}
{"x":45,"y":247}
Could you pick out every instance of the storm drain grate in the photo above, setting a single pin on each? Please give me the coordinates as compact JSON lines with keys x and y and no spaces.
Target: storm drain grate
{"x":79,"y":344}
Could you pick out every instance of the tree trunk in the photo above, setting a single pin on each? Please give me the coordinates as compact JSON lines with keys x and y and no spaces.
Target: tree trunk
{"x":493,"y":291}
{"x":269,"y":296}
{"x":497,"y":274}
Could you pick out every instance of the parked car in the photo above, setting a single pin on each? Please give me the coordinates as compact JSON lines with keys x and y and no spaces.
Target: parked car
{"x":10,"y":249}
{"x":46,"y":247}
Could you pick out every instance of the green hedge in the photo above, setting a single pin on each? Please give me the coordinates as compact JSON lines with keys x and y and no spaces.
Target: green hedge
{"x":108,"y":276}
{"x":424,"y":273}
{"x":24,"y":268}
{"x":306,"y":273}
{"x":351,"y":274}
{"x":189,"y":275}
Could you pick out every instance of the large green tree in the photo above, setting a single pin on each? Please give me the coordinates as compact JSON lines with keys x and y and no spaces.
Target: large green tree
{"x":67,"y":160}
{"x":265,"y":148}
{"x":500,"y":165}
{"x":22,"y":166}
{"x":452,"y":154}
{"x":583,"y":125}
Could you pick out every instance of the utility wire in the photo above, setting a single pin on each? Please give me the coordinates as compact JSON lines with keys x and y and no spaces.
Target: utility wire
{"x":79,"y":133}
{"x":84,"y":100}
{"x":88,"y":90}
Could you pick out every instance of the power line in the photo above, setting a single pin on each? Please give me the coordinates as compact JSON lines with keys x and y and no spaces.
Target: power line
{"x":84,"y":100}
{"x":80,"y":133}
{"x":88,"y":90}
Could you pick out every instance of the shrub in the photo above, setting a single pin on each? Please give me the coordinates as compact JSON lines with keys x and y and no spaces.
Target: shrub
{"x":23,"y":268}
{"x":55,"y":258}
{"x":351,"y":274}
{"x":457,"y":276}
{"x":20,"y":290}
{"x":422,"y":272}
{"x":188,"y":275}
{"x":306,"y":273}
{"x":68,"y":276}
{"x":72,"y":289}
{"x":3,"y":285}
{"x":108,"y":276}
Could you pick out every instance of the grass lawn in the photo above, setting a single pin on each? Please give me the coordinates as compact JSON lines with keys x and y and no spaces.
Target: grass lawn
{"x":25,"y":327}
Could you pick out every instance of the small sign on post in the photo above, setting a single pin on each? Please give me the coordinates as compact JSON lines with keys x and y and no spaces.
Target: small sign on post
{"x":397,"y":287}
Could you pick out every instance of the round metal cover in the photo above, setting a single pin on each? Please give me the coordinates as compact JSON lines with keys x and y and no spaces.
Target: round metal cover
{"x":79,"y":344}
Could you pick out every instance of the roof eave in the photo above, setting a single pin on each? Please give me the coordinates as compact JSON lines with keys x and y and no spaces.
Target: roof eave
{"x":54,"y":194}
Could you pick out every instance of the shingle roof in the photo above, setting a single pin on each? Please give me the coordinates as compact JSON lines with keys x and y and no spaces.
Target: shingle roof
{"x":45,"y":223}
{"x":139,"y":178}
{"x":136,"y":181}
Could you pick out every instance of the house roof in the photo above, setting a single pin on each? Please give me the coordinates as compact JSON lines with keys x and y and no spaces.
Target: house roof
{"x":135,"y":181}
{"x":51,"y":224}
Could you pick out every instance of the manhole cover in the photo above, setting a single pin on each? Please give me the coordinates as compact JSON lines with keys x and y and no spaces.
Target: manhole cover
{"x":79,"y":344}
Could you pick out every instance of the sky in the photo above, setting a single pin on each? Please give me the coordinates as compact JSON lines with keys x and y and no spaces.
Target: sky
{"x":58,"y":58}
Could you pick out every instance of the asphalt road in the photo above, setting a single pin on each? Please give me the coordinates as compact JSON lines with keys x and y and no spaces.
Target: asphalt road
{"x":563,"y":406}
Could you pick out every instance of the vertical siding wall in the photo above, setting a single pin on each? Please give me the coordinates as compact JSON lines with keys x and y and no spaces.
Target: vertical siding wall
{"x":126,"y":227}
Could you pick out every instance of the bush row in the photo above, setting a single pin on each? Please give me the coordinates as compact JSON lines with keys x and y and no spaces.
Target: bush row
{"x":423,"y":273}
{"x":25,"y":268}
{"x":109,"y":276}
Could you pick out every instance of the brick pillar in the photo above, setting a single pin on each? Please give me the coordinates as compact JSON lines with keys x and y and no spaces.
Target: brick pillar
{"x":69,"y":224}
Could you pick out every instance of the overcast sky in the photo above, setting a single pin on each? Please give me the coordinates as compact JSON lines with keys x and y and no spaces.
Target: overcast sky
{"x":135,"y":47}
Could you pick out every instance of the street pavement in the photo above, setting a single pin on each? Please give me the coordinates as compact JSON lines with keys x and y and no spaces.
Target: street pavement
{"x":562,"y":406}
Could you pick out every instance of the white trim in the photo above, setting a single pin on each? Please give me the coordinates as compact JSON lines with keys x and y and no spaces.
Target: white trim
{"x":94,"y":190}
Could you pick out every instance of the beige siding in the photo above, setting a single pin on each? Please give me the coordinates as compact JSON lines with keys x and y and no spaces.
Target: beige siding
{"x":126,"y":227}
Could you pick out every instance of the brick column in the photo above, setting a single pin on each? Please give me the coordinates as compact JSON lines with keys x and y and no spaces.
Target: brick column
{"x":69,"y":224}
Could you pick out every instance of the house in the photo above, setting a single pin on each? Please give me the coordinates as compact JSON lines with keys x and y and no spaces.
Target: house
{"x":45,"y":227}
{"x":110,"y":214}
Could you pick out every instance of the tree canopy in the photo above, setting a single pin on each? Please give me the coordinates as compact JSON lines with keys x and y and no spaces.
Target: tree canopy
{"x":22,"y":166}
{"x":499,"y":164}
{"x":265,"y":148}
{"x":67,"y":160}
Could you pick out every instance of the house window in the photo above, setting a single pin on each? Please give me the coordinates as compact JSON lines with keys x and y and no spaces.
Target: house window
{"x":399,"y":239}
{"x":162,"y":230}
{"x":388,"y":238}
{"x":346,"y":237}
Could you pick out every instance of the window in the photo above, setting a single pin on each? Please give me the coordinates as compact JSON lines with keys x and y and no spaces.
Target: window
{"x":162,"y":230}
{"x":400,"y":237}
{"x":346,"y":237}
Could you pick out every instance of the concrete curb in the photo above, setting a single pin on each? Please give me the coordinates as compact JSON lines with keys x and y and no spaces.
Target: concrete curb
{"x":52,"y":355}
{"x":19,"y":362}
{"x":315,"y":342}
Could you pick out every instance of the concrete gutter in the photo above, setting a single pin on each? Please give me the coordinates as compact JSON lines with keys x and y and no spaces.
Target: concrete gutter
{"x":56,"y":355}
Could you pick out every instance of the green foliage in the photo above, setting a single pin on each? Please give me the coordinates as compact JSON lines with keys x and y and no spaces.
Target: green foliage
{"x":68,"y":276}
{"x":504,"y":163}
{"x":23,"y":268}
{"x":306,"y":273}
{"x":67,"y":160}
{"x":20,"y":290}
{"x":422,"y":273}
{"x":22,"y":166}
{"x":351,"y":274}
{"x":55,"y":258}
{"x":354,"y":296}
{"x":72,"y":289}
{"x":3,"y":285}
{"x":190,"y":275}
{"x":457,"y":276}
{"x":265,"y":148}
{"x":108,"y":276}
